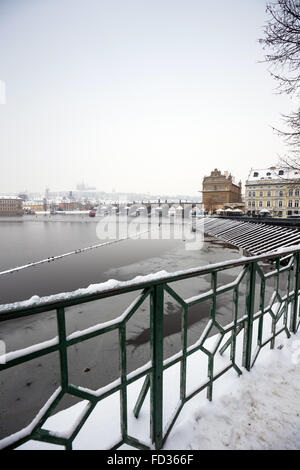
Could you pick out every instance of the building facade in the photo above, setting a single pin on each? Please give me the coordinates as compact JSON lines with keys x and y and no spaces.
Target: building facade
{"x":219,"y":191}
{"x":274,"y":190}
{"x":67,"y":205}
{"x":11,"y":206}
{"x":34,"y":206}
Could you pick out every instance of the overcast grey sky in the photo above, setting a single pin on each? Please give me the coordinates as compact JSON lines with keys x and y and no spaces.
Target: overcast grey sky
{"x":135,"y":95}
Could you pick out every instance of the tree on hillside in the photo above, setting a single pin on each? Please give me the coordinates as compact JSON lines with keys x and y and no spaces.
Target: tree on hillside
{"x":282,"y":45}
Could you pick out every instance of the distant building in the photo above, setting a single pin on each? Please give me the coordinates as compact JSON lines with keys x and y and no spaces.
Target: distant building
{"x":220,"y":192}
{"x":275,"y":190}
{"x":36,"y":205}
{"x":55,"y":204}
{"x":83,"y":187}
{"x":47,"y":193}
{"x":23,"y":196}
{"x":11,"y":206}
{"x":67,"y":205}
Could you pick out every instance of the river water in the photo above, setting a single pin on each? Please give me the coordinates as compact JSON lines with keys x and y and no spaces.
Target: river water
{"x":94,"y":363}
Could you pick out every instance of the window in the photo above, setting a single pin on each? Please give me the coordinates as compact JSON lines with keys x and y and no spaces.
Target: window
{"x":297,"y":203}
{"x":253,"y":193}
{"x":268,"y":203}
{"x":261,"y":193}
{"x":269,"y":193}
{"x":296,"y":192}
{"x":290,"y":192}
{"x":249,"y":193}
{"x":290,"y":203}
{"x":253,"y":203}
{"x":280,"y":193}
{"x":281,"y":172}
{"x":280,"y":203}
{"x":255,"y":174}
{"x":249,"y":203}
{"x":260,"y":203}
{"x":268,"y":174}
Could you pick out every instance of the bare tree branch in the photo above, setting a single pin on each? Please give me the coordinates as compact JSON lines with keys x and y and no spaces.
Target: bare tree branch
{"x":282,"y":45}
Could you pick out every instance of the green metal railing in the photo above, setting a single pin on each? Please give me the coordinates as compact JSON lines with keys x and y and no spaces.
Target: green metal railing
{"x":251,"y":272}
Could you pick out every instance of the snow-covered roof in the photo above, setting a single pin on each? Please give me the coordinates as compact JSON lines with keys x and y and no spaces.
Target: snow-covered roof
{"x":10,"y":197}
{"x":273,"y":173}
{"x":36,"y":201}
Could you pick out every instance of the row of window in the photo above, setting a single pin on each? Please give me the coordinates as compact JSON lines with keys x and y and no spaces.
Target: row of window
{"x":278,"y":203}
{"x":8,"y":202}
{"x":260,"y":203}
{"x":215,"y":188}
{"x":279,"y":213}
{"x":10,"y":209}
{"x":278,"y":193}
{"x":280,"y":172}
{"x":10,"y":205}
{"x":261,"y":187}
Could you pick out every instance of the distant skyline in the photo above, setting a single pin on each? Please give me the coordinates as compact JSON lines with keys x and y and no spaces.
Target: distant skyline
{"x":96,"y":194}
{"x":132,"y":95}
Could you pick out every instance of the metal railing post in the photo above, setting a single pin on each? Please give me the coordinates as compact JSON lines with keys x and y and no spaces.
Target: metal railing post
{"x":156,"y":343}
{"x":296,"y":288}
{"x":250,"y":299}
{"x":123,"y":391}
{"x":61,"y":323}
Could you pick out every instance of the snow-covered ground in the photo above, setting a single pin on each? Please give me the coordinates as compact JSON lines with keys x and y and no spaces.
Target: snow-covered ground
{"x":258,"y":410}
